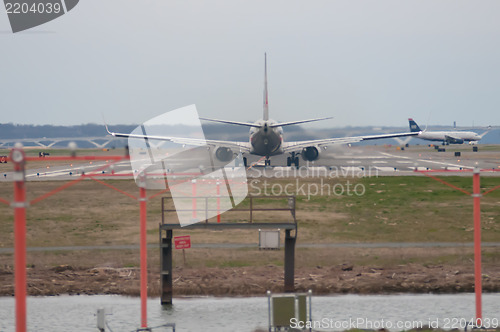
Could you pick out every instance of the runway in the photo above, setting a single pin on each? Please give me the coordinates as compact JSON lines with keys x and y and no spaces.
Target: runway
{"x":343,"y":161}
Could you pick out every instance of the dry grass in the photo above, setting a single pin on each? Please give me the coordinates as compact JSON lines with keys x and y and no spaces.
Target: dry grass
{"x":393,"y":209}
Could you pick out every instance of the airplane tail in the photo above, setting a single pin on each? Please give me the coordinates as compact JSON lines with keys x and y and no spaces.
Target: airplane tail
{"x":265,"y":116}
{"x":414,"y":126}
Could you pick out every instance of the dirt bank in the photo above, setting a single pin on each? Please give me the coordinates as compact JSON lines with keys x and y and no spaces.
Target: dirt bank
{"x":248,"y":281}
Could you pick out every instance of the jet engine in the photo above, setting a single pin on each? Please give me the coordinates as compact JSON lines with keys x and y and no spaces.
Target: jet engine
{"x":223,"y":154}
{"x":453,"y":140}
{"x":311,"y":153}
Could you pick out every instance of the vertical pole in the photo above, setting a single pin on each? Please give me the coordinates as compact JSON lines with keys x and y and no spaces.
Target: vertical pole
{"x":17,"y":156}
{"x":193,"y":182}
{"x":251,"y":209}
{"x":289,"y":262}
{"x":476,"y":184}
{"x":144,"y":252}
{"x":206,"y":209}
{"x":166,"y":268}
{"x":218,"y":201}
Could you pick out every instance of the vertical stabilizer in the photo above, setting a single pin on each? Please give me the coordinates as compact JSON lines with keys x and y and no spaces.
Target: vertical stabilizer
{"x":414,"y":127}
{"x":266,"y":101}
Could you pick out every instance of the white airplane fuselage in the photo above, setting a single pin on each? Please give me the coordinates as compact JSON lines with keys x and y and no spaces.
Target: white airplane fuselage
{"x":444,"y":135}
{"x":266,"y":140}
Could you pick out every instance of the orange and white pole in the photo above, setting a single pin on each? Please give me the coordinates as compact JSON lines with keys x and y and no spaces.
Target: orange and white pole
{"x":218,"y":201}
{"x":144,"y":251}
{"x":193,"y":191}
{"x":476,"y":194}
{"x":18,"y":158}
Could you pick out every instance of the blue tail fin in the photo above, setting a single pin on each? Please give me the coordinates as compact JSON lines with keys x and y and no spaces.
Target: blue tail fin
{"x":414,"y":126}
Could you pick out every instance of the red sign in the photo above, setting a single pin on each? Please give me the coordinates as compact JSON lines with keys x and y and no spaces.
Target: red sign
{"x":3,"y":159}
{"x":182,"y":242}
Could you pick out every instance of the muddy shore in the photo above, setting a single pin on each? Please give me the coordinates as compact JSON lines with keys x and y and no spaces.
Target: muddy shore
{"x":252,"y":281}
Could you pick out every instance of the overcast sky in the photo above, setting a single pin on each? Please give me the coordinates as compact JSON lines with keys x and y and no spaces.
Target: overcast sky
{"x":367,"y":63}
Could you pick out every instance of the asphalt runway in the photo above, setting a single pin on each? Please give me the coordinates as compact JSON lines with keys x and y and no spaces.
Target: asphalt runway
{"x":340,"y":161}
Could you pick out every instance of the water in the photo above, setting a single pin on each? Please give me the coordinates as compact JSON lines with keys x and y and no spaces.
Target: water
{"x":77,"y":313}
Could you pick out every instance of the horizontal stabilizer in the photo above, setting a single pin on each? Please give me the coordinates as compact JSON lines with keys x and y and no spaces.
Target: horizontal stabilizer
{"x":289,"y":123}
{"x":248,"y":124}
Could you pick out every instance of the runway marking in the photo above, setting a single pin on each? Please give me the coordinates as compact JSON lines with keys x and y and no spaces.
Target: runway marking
{"x":446,"y":164}
{"x":317,"y":168}
{"x":351,"y":169}
{"x":379,"y":162}
{"x":353,"y":162}
{"x":77,"y":169}
{"x":97,"y":173}
{"x":394,"y":156}
{"x":403,"y":161}
{"x":385,"y":168}
{"x":428,"y":161}
{"x":49,"y":173}
{"x":361,"y":157}
{"x":419,"y":168}
{"x":124,"y":172}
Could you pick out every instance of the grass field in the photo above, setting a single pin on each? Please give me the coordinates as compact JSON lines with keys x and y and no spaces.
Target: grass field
{"x":392,"y":209}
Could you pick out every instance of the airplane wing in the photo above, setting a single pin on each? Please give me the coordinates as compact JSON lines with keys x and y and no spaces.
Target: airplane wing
{"x":294,"y":146}
{"x":237,"y":146}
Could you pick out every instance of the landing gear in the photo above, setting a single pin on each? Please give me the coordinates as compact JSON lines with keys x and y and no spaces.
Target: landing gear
{"x":267,"y":162}
{"x":292,"y":160}
{"x":245,"y":161}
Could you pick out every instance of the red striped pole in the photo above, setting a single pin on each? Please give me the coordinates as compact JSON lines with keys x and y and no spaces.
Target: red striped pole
{"x":218,"y":201}
{"x":144,"y":252}
{"x":193,"y":182}
{"x":19,"y":204}
{"x":476,"y":190}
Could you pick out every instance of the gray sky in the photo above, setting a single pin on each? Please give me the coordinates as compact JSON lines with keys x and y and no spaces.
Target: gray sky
{"x":363,"y":62}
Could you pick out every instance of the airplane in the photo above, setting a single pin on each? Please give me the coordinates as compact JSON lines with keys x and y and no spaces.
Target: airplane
{"x":447,"y":137}
{"x":265,"y":138}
